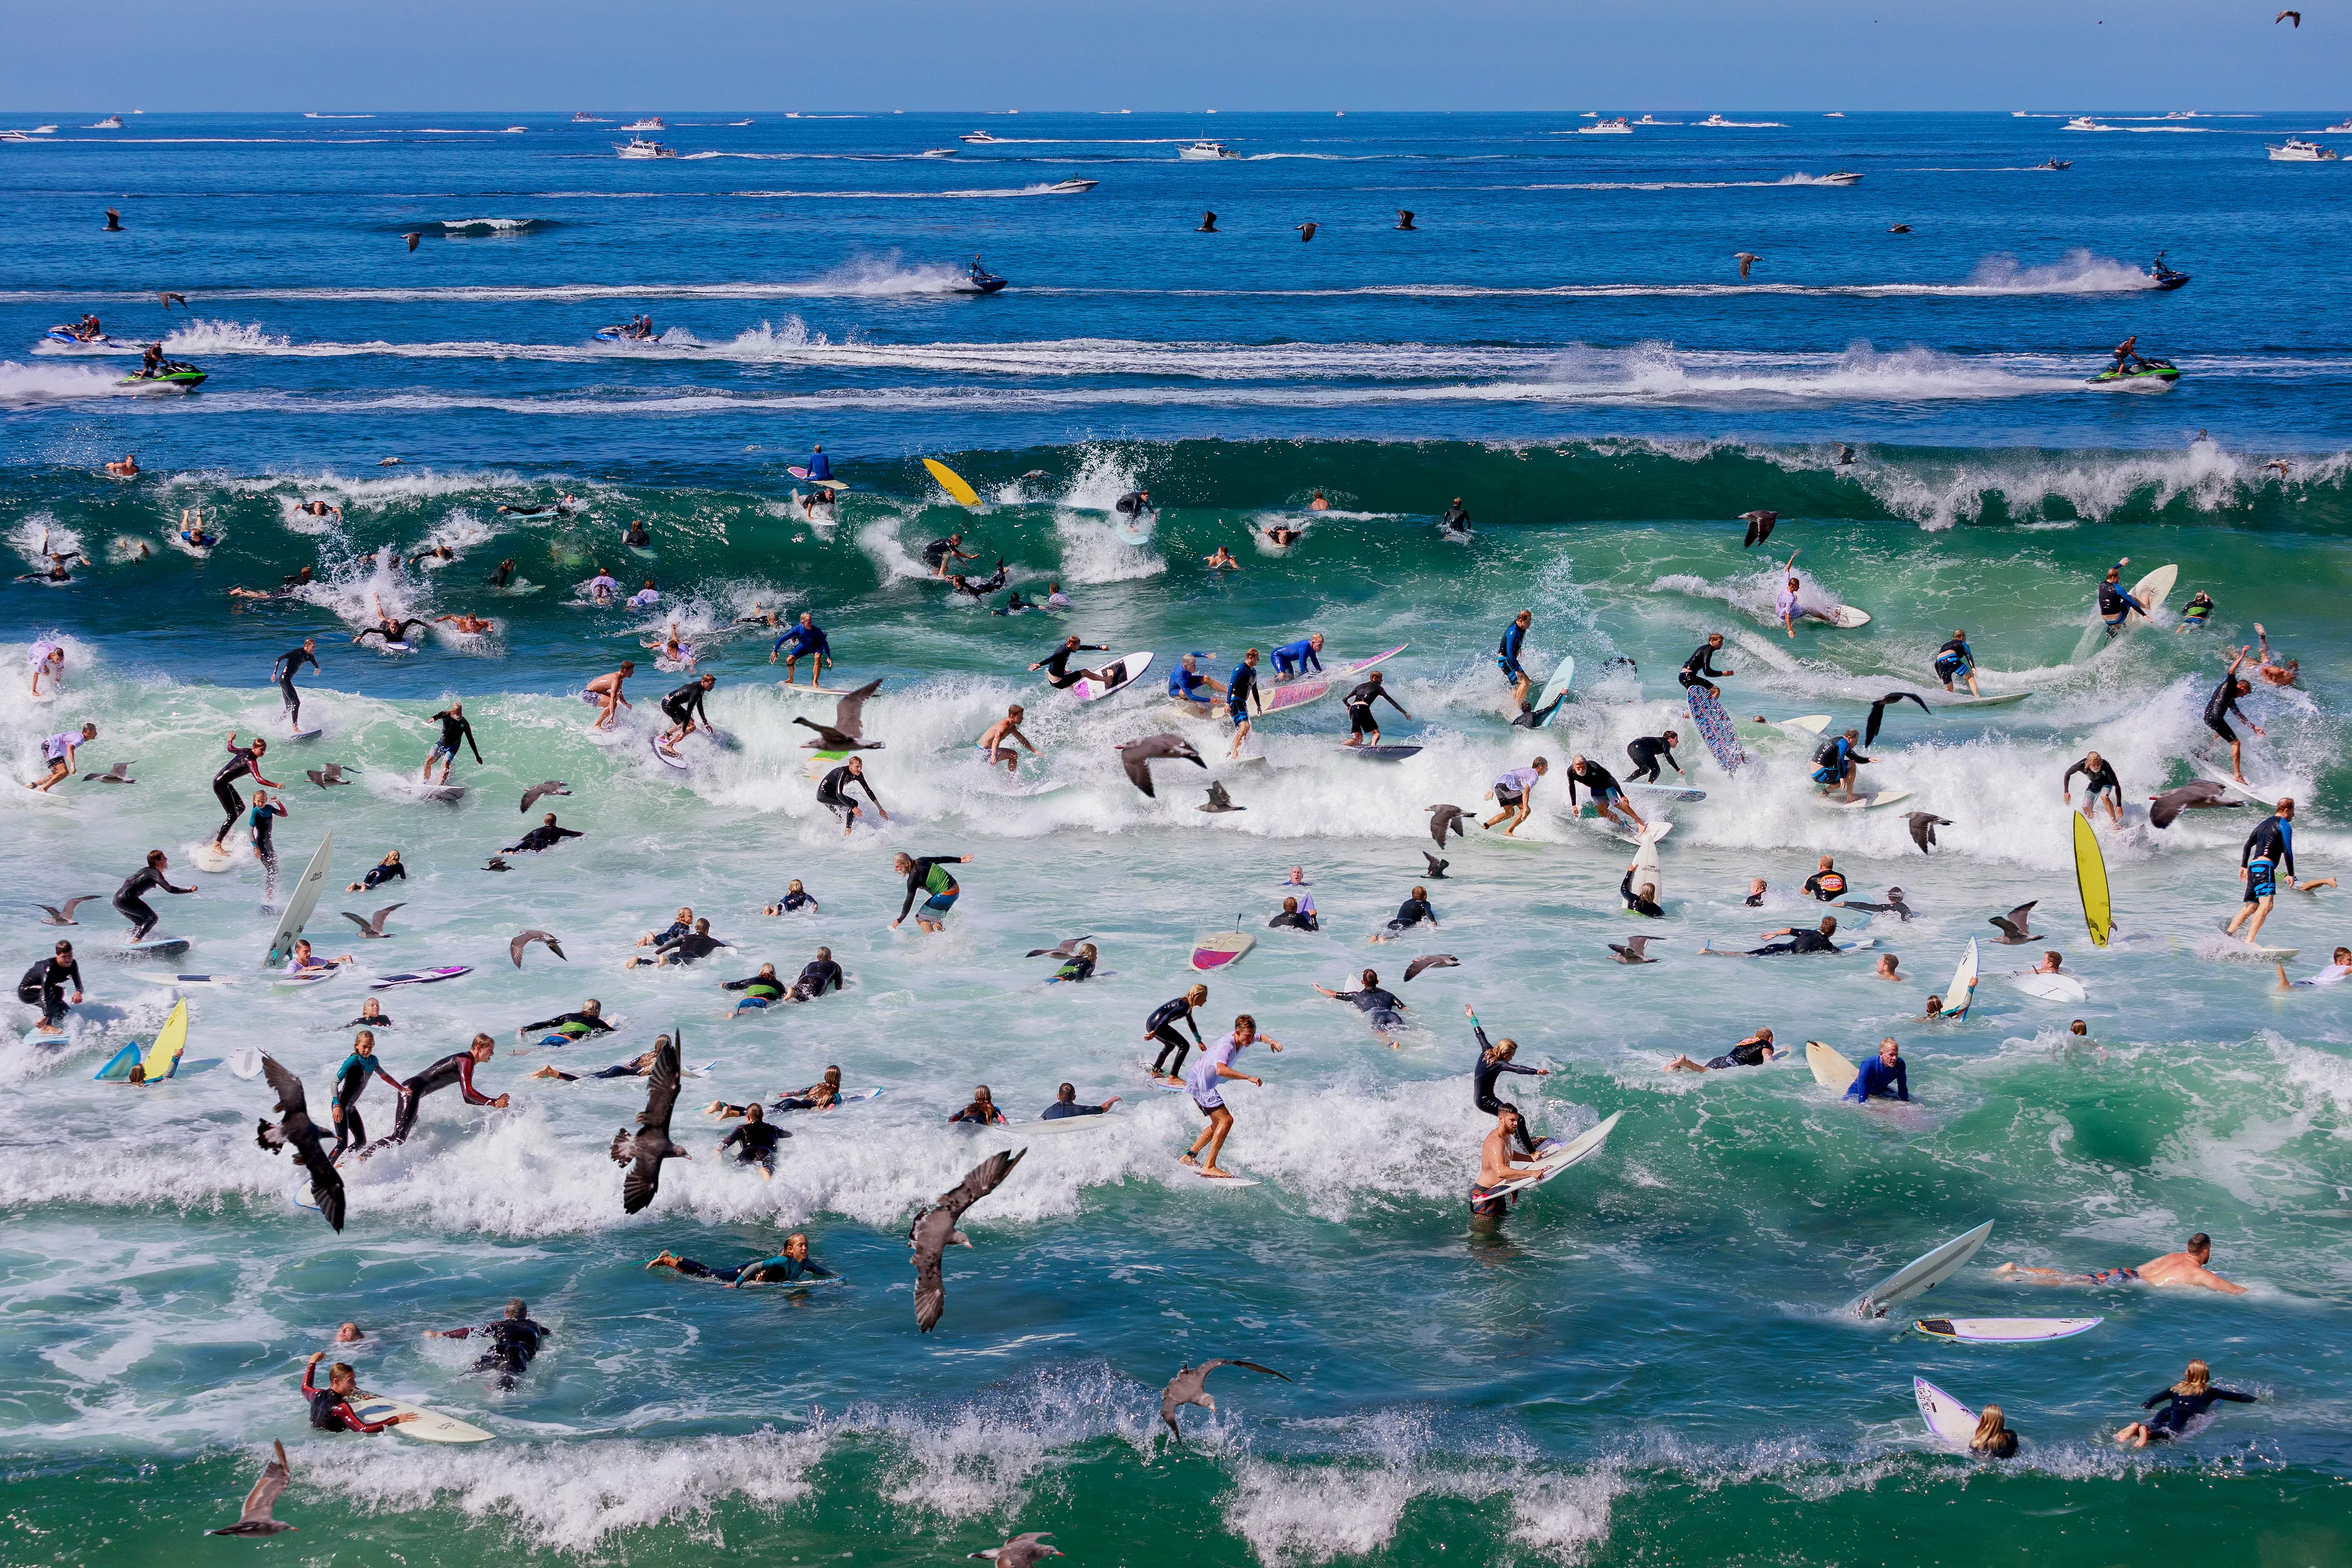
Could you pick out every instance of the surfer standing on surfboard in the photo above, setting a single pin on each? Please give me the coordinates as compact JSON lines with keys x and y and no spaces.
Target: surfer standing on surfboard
{"x":1209,"y":1072}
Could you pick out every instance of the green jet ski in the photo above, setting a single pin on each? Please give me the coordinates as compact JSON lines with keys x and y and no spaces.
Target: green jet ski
{"x":2155,"y":370}
{"x":171,"y":373}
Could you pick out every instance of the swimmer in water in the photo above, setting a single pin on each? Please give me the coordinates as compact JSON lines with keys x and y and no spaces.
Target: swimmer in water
{"x":1319,"y":503}
{"x":1222,"y":561}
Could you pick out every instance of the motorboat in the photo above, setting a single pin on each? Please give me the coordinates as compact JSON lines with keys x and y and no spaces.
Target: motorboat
{"x":1834,"y":114}
{"x":650,"y":122}
{"x":938,"y":151}
{"x":13,"y":136}
{"x":2343,"y":128}
{"x":975,"y":136}
{"x":1646,"y":120}
{"x":1070,"y":187}
{"x":44,"y":129}
{"x":1841,"y":177}
{"x":638,"y":147}
{"x":111,"y":122}
{"x":1715,"y":119}
{"x":171,"y":373}
{"x":1617,"y":127}
{"x":2166,"y":278}
{"x":2298,"y":151}
{"x":2057,"y":163}
{"x":2084,"y":123}
{"x":582,"y":117}
{"x":1205,"y":153}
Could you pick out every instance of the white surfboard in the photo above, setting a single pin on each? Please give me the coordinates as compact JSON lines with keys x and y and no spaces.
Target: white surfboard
{"x":1869,"y":801}
{"x":1948,"y":1421}
{"x":1071,"y":1123}
{"x":1830,"y":1070}
{"x":2152,"y":589}
{"x":1135,"y":663}
{"x":1923,"y":1273}
{"x":2220,"y":776}
{"x":1963,"y":988}
{"x":2238,"y":947}
{"x":246,"y":1061}
{"x":2051,"y":987}
{"x":1557,"y":687}
{"x":1645,"y":864}
{"x":300,"y":903}
{"x":1220,"y":1180}
{"x":1666,"y":792}
{"x":431,"y":1426}
{"x":1848,"y":616}
{"x":2005,"y":1330}
{"x":1578,"y":1149}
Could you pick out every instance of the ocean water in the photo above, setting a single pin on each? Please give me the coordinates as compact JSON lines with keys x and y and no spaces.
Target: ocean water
{"x":1652,"y":1359}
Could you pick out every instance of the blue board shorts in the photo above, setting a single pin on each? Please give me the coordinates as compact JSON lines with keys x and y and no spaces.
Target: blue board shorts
{"x":939,"y":904}
{"x":2260,"y":880}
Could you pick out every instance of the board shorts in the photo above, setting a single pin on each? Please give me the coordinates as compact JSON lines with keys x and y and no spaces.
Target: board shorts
{"x":1385,"y":1022}
{"x":2112,"y":1276}
{"x":1509,"y":796}
{"x":1510,"y":668}
{"x":1238,"y":711}
{"x":1950,"y":668}
{"x":1207,"y":1098}
{"x":1488,"y":1208}
{"x":2262,"y":881}
{"x":2221,"y":727}
{"x":440,"y":751}
{"x":1361,"y":722}
{"x":1718,"y":1064}
{"x":939,"y":904}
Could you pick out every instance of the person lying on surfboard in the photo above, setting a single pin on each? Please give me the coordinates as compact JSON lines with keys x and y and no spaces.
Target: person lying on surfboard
{"x":1752,"y":1052}
{"x":2186,"y":1267}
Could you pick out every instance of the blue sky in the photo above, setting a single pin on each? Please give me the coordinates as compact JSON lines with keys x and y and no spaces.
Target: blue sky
{"x":773,"y":54}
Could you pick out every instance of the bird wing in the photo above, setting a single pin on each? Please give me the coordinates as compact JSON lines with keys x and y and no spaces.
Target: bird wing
{"x":643,"y":1180}
{"x":288,"y":1087}
{"x":1921,"y":830}
{"x":661,"y":1091}
{"x":849,"y":714}
{"x":265,"y":1493}
{"x":2008,"y":927}
{"x":1637,"y":945}
{"x":380,"y":914}
{"x":978,"y":1183}
{"x":531,"y":795}
{"x":314,"y":777}
{"x":326,"y":1182}
{"x":555,"y":947}
{"x":931,"y":1290}
{"x":357,"y":921}
{"x":1432,"y":960}
{"x":1251,"y":1364}
{"x":2018,"y":914}
{"x":1138,"y":768}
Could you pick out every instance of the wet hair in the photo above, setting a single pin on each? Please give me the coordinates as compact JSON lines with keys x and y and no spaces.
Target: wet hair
{"x":1372,"y":978}
{"x":1067,"y":1093}
{"x":1244,"y":1021}
{"x":752,"y":1112}
{"x":64,"y":948}
{"x":518,"y":1307}
{"x":2196,"y":1379}
{"x":1197,"y":995}
{"x":2200,"y":1242}
{"x":364,"y":1038}
{"x":1289,"y":907}
{"x":1993,"y":1435}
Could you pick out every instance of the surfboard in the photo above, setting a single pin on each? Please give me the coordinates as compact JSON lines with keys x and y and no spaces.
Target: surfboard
{"x":1646,"y":866}
{"x":205,"y":858}
{"x":2051,"y":987}
{"x":1554,"y":1161}
{"x":794,"y":689}
{"x":305,"y":981}
{"x":2000,"y":699}
{"x":1848,"y":616}
{"x":1135,"y":665}
{"x":664,"y":755}
{"x":1963,"y":986}
{"x":2152,"y":589}
{"x":312,"y":733}
{"x":1948,"y":1421}
{"x":158,"y":946}
{"x":2091,"y":882}
{"x":2220,"y":776}
{"x":1668,"y":792}
{"x":787,"y":1287}
{"x":1869,"y":801}
{"x":1807,"y":726}
{"x":246,"y":1061}
{"x":1381,"y":753}
{"x":2253,"y":948}
{"x":1557,"y":687}
{"x":431,"y":1426}
{"x":171,"y":1040}
{"x":1300,"y":691}
{"x":1157,"y":1082}
{"x":1830,"y":1071}
{"x":2005,"y":1330}
{"x":300,"y":904}
{"x":1924,"y":1273}
{"x":1221,"y":1181}
{"x":952,"y":482}
{"x":117,"y":1066}
{"x":1714,"y":728}
{"x":1220,"y":949}
{"x":1071,"y":1123}
{"x":802,"y":474}
{"x":420,"y":977}
{"x":174,"y":981}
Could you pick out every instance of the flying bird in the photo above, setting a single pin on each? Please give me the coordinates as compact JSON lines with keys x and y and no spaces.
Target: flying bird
{"x":1878,"y":711}
{"x":525,"y":938}
{"x":373,"y":925}
{"x":1136,"y":757}
{"x":328,"y":777}
{"x":539,"y":792}
{"x":1404,"y":218}
{"x":1900,"y":229}
{"x":1066,"y":947}
{"x":1633,"y":949}
{"x":1436,"y":872}
{"x":255,"y":1520}
{"x":1306,"y":231}
{"x":1441,"y":817}
{"x":1218,"y":799}
{"x":1432,"y":960}
{"x":1923,"y":827}
{"x":2198,"y":794}
{"x":63,"y":917}
{"x":2012,"y":925}
{"x":644,"y":1150}
{"x":118,"y":773}
{"x":2295,"y":16}
{"x":294,"y":1129}
{"x":1208,"y":224}
{"x":1747,"y":258}
{"x":935,"y":1229}
{"x":1190,"y":1387}
{"x":847,"y":730}
{"x":1022,"y":1550}
{"x":172,"y":298}
{"x":1759,"y":527}
{"x":498,"y":863}
{"x":413,"y":238}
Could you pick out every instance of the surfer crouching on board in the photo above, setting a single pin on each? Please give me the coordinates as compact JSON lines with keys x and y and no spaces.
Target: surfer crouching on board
{"x":1513,"y":791}
{"x":2186,"y":1267}
{"x":2098,"y":778}
{"x":1954,"y":661}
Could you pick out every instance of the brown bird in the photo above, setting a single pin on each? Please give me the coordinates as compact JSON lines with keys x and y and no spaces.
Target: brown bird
{"x":1747,"y":258}
{"x":295,"y":1129}
{"x":113,"y":221}
{"x":1404,"y":218}
{"x":170,"y":299}
{"x":644,"y":1150}
{"x":1022,"y":1550}
{"x":847,"y":730}
{"x":2012,"y":925}
{"x":1900,"y":229}
{"x":374,"y":926}
{"x":2164,"y":810}
{"x":1432,"y":960}
{"x":2295,"y":16}
{"x":1633,"y":950}
{"x":412,"y":239}
{"x":1190,"y":1387}
{"x":1218,"y":799}
{"x":1923,"y":827}
{"x":1136,"y":757}
{"x":328,"y":776}
{"x":524,"y":938}
{"x":1306,"y":231}
{"x":538,"y":792}
{"x":1759,"y":527}
{"x":934,"y":1231}
{"x":255,"y":1520}
{"x":1443,"y":817}
{"x":118,"y":773}
{"x":63,"y":917}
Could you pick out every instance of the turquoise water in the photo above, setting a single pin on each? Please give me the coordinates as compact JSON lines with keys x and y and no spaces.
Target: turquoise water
{"x":1651,"y":1360}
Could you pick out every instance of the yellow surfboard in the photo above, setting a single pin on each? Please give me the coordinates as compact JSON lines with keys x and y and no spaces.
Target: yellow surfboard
{"x":164,"y":1055}
{"x":952,"y":482}
{"x":2091,"y":879}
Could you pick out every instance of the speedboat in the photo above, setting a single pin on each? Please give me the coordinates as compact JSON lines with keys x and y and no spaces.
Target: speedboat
{"x":1715,"y":119}
{"x":1834,"y":114}
{"x":2343,"y":128}
{"x":2166,"y":279}
{"x":1841,"y":177}
{"x":2153,"y":371}
{"x":1070,"y":187}
{"x":975,"y":136}
{"x":111,"y":122}
{"x":582,"y":117}
{"x":1646,"y":120}
{"x":172,"y":374}
{"x":2084,"y":123}
{"x":13,"y":136}
{"x":1617,"y":127}
{"x":2057,"y":163}
{"x":650,"y":122}
{"x":638,"y":147}
{"x":2298,"y":151}
{"x":44,"y":129}
{"x":938,"y":151}
{"x":1205,"y":153}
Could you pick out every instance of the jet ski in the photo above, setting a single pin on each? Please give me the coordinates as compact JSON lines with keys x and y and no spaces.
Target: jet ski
{"x":979,"y":279}
{"x":2152,"y":369}
{"x":620,"y":333}
{"x":2166,"y":277}
{"x":63,"y":334}
{"x":2057,"y":163}
{"x":171,"y":373}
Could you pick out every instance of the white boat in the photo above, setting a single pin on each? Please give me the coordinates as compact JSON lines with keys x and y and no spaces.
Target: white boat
{"x":939,"y":152}
{"x":1646,"y":120}
{"x":13,"y":136}
{"x":1205,"y":153}
{"x":111,"y":122}
{"x":582,"y":117}
{"x":1715,"y":119}
{"x":2298,"y":151}
{"x":1617,"y":127}
{"x":1841,"y":177}
{"x":1070,"y":187}
{"x":43,"y":129}
{"x":650,"y":122}
{"x":1834,"y":114}
{"x":638,"y":147}
{"x":975,"y":136}
{"x":2343,"y":128}
{"x":2084,"y":123}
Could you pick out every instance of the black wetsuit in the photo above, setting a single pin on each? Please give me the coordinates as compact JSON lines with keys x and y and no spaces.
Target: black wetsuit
{"x":1161,"y":1027}
{"x":1075,"y":970}
{"x":939,"y":549}
{"x":263,"y":820}
{"x":571,"y":1026}
{"x":777,"y":1271}
{"x":2180,"y":1409}
{"x":1646,"y":751}
{"x":693,"y":945}
{"x":456,"y":1067}
{"x":1132,"y":504}
{"x":790,"y":902}
{"x":240,"y":763}
{"x":1481,"y":1080}
{"x":1799,"y":941}
{"x":1240,"y":687}
{"x":1635,"y":901}
{"x":2270,"y":846}
{"x":1293,"y":919}
{"x":132,"y":908}
{"x":513,"y":1342}
{"x":283,"y":673}
{"x":542,"y":837}
{"x":982,"y":587}
{"x":1699,"y":669}
{"x":332,"y":1412}
{"x":684,"y":706}
{"x":1598,"y":782}
{"x":1382,"y":1007}
{"x":834,"y":791}
{"x":818,"y":976}
{"x":2095,"y":780}
{"x":1056,"y":663}
{"x":1456,"y":519}
{"x":383,"y":873}
{"x":1359,"y":704}
{"x":350,"y":1082}
{"x":1411,"y":913}
{"x":44,"y":985}
{"x":455,"y":727}
{"x":2220,"y":705}
{"x":1746,"y":1054}
{"x":1826,"y":885}
{"x":757,"y":1141}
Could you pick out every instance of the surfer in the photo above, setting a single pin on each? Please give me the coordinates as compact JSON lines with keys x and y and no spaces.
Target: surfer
{"x":2276,"y":673}
{"x":979,"y":588}
{"x":1209,"y":1073}
{"x":1319,"y":502}
{"x":1240,"y":688}
{"x":2186,"y":1267}
{"x":261,"y":819}
{"x":1827,"y":884}
{"x":805,"y":637}
{"x":754,"y":1141}
{"x":575,"y":1025}
{"x":928,"y":876}
{"x":1282,"y":536}
{"x":44,"y":986}
{"x":1514,"y":792}
{"x":1787,"y":606}
{"x":1161,"y":1027}
{"x":1410,"y":913}
{"x":48,"y":658}
{"x":131,"y":906}
{"x":1493,"y":1060}
{"x":125,"y":467}
{"x":2116,"y":606}
{"x":1885,"y":1076}
{"x":1133,"y":505}
{"x":562,"y":508}
{"x":302,"y":961}
{"x":796,"y":898}
{"x":456,"y":1067}
{"x":61,"y":751}
{"x":1187,"y":684}
{"x":543,"y":837}
{"x":1641,"y":900}
{"x":605,"y":692}
{"x":647,"y":597}
{"x":2183,"y":1402}
{"x":351,"y":1080}
{"x":2224,"y":703}
{"x":2198,"y":613}
{"x":833,"y":794}
{"x":1608,"y":794}
{"x":786,"y":1267}
{"x":514,"y":1339}
{"x":993,"y":742}
{"x":939,"y":552}
{"x":1065,"y":1105}
{"x":601,"y":587}
{"x":242,"y":761}
{"x":2338,"y":970}
{"x":387,"y":869}
{"x":1298,"y":657}
{"x":1752,"y":1052}
{"x":1836,"y":761}
{"x":372,"y":1016}
{"x":2268,"y":849}
{"x":1383,"y":1010}
{"x":1056,"y":663}
{"x":683,"y":949}
{"x":685,"y":710}
{"x":1294,"y":917}
{"x":1079,"y":967}
{"x":1054,"y":598}
{"x":1222,"y":561}
{"x":1799,"y":941}
{"x":817,"y":976}
{"x":2098,"y":778}
{"x":1646,"y":751}
{"x":981,"y":1111}
{"x":1495,"y":1166}
{"x":331,"y":1407}
{"x":455,"y":727}
{"x":467,"y":624}
{"x":1359,"y":703}
{"x":1455,"y":523}
{"x":1698,"y":669}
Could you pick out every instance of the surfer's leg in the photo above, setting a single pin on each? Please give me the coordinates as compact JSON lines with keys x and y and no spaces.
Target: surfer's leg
{"x":135,"y":910}
{"x":1170,"y":1040}
{"x":350,"y":1132}
{"x":232,"y":804}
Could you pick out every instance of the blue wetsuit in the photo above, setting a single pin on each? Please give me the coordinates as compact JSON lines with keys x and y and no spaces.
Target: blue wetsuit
{"x":1841,"y":755}
{"x":1876,"y":1081}
{"x":820,"y":466}
{"x":2268,"y":848}
{"x":1295,"y":658}
{"x":805,"y":639}
{"x":1189,"y":685}
{"x":1506,"y":653}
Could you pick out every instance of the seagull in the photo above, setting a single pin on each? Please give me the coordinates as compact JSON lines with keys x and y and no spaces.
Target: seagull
{"x":1900,"y":229}
{"x":1436,"y":872}
{"x":373,"y":926}
{"x":1878,"y":711}
{"x":118,"y":773}
{"x":1218,"y":799}
{"x":1432,"y":960}
{"x":935,"y":1229}
{"x":171,"y":299}
{"x":1404,"y":218}
{"x":1306,"y":231}
{"x":1441,"y":817}
{"x":2012,"y":925}
{"x":64,"y":917}
{"x":2295,"y":16}
{"x":1633,"y":950}
{"x":2164,"y":810}
{"x":1066,"y":947}
{"x":1136,"y":757}
{"x":413,"y":238}
{"x":1208,"y":224}
{"x":328,"y":776}
{"x":539,"y":792}
{"x":498,"y":863}
{"x":524,"y":938}
{"x":294,"y":1128}
{"x":1022,"y":1550}
{"x":1190,"y":1387}
{"x":1923,"y":827}
{"x":1759,"y":527}
{"x":644,"y":1150}
{"x":255,"y":1520}
{"x":847,"y":730}
{"x":1747,"y":258}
